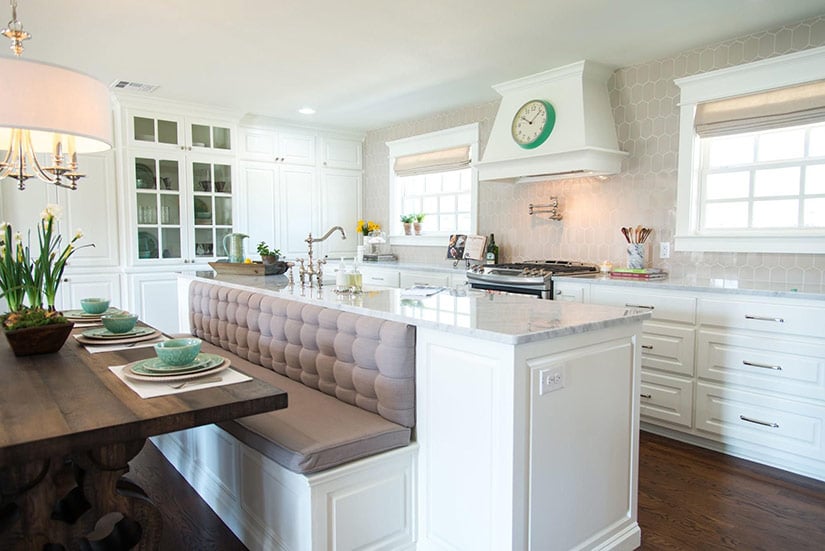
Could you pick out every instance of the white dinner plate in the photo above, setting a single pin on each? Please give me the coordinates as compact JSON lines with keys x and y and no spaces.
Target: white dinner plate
{"x":127,"y":372}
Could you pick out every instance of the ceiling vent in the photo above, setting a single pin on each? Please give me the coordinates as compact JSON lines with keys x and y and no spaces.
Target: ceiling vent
{"x":134,"y":86}
{"x":582,"y":143}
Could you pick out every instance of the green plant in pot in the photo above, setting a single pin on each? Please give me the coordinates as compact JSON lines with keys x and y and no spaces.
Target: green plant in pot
{"x":268,"y":256}
{"x":27,"y":277}
{"x":407,"y":220}
{"x":419,"y":217}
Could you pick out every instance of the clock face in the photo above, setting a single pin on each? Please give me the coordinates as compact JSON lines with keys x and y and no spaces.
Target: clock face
{"x":533,"y":123}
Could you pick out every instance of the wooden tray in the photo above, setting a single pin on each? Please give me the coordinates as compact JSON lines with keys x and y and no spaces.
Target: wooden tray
{"x":254,"y":268}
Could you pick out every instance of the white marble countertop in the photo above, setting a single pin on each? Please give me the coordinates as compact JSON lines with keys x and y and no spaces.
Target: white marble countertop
{"x":712,"y":285}
{"x":509,"y":319}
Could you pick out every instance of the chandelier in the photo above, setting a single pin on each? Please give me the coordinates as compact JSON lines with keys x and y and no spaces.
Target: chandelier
{"x":48,"y":110}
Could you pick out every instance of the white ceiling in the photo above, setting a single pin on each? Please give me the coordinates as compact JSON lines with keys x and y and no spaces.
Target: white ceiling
{"x":365,"y":64}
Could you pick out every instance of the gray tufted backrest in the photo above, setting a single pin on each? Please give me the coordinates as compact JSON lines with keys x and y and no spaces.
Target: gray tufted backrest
{"x":361,"y":360}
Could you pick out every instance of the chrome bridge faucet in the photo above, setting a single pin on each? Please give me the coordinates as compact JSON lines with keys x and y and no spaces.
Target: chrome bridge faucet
{"x":315,"y":269}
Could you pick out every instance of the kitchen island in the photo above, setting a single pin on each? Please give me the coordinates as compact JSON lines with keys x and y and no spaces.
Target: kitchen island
{"x":527,"y":416}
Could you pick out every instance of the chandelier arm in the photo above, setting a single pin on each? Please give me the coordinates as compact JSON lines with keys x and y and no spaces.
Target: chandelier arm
{"x":35,"y":164}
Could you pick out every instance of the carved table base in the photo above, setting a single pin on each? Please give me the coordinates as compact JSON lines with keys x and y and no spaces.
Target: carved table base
{"x":77,"y":502}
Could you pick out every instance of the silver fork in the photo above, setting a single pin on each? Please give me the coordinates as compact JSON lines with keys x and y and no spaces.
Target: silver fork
{"x":196,"y":382}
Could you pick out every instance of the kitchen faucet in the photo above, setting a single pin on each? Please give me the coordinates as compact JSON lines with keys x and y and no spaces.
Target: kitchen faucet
{"x":315,"y":269}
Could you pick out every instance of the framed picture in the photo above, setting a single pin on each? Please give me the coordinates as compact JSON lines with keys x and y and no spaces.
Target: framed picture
{"x":455,"y":249}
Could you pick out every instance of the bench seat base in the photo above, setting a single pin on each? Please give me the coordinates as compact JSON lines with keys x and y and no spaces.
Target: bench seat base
{"x":369,"y":503}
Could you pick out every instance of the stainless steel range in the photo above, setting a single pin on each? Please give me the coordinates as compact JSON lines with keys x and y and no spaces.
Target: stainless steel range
{"x":533,"y":277}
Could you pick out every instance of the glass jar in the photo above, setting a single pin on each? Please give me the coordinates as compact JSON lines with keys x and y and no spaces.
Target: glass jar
{"x":376,"y":243}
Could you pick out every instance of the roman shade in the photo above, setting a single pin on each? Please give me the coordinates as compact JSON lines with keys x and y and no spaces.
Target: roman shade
{"x":443,"y":160}
{"x":791,"y":106}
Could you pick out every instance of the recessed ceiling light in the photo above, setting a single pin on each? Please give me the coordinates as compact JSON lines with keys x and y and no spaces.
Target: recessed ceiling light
{"x":306,"y":111}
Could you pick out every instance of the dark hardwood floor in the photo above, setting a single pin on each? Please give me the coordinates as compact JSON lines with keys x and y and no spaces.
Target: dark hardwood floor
{"x":689,"y":499}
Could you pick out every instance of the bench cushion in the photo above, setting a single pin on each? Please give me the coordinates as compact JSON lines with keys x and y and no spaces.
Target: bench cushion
{"x":316,"y":431}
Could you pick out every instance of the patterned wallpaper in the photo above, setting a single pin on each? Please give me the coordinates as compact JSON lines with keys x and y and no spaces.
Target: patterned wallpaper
{"x":645,"y":108}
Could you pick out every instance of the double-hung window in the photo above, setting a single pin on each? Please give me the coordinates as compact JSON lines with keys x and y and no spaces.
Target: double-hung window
{"x":752,"y":157}
{"x":432,"y":175}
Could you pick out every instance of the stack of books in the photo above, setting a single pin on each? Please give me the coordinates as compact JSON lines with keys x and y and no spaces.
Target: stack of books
{"x":638,"y":273}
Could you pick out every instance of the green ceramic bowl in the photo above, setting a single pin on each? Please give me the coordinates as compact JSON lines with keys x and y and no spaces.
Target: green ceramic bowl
{"x":94,"y":305}
{"x":178,"y":351}
{"x":121,"y":322}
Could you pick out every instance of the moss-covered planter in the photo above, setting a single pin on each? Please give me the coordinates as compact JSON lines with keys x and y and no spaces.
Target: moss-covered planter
{"x":39,"y":340}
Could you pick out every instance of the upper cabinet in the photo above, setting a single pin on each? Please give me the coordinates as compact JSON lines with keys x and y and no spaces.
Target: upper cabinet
{"x":280,"y":146}
{"x":184,"y":133}
{"x":343,"y":153}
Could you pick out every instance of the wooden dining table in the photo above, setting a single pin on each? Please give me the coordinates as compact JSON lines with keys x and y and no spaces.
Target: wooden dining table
{"x":68,"y":429}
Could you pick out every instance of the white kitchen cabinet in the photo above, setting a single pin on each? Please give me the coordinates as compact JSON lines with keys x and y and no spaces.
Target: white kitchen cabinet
{"x":154,"y":298}
{"x":178,"y":131}
{"x":571,"y":292}
{"x":340,"y":196}
{"x":92,"y":208}
{"x":666,"y":398}
{"x":342,"y":153}
{"x":289,"y":147}
{"x":181,"y":206}
{"x":376,"y":276}
{"x":436,"y":279}
{"x":77,"y":286}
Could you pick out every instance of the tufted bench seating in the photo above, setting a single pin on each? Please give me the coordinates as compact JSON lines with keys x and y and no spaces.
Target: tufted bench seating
{"x":349,"y":378}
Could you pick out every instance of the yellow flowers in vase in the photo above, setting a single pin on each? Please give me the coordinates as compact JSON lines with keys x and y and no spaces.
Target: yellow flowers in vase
{"x":364,"y":228}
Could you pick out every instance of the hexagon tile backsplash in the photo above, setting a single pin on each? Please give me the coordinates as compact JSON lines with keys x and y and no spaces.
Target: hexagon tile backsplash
{"x":645,"y":108}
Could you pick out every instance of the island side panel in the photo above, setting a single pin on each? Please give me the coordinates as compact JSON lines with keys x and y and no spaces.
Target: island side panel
{"x":491,"y":470}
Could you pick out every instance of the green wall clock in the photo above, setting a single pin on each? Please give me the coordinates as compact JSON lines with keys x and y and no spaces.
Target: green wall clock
{"x":533,"y":123}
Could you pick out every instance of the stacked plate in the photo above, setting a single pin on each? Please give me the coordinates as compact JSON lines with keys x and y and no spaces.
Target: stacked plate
{"x":153,"y":369}
{"x":81,"y":315}
{"x":101,"y":335}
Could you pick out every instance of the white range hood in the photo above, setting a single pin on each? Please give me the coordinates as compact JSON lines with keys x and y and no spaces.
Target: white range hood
{"x":583,"y":141}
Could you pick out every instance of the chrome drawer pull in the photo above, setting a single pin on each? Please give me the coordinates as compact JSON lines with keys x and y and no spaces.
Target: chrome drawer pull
{"x":638,"y":306}
{"x":758,"y":422}
{"x":764,"y":318}
{"x":647,"y":346}
{"x":647,"y":396}
{"x":763,"y":366}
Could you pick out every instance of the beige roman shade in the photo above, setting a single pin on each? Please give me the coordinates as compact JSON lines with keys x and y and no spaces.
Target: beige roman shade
{"x":792,"y":106}
{"x":443,"y":160}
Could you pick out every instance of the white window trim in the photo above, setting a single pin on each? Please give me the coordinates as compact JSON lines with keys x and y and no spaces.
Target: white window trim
{"x":432,"y":141}
{"x":777,"y":72}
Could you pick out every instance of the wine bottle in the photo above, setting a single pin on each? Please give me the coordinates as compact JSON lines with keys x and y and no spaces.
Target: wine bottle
{"x":492,"y":251}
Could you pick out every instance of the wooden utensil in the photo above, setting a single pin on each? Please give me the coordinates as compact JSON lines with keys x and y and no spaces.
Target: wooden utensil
{"x":626,"y":234}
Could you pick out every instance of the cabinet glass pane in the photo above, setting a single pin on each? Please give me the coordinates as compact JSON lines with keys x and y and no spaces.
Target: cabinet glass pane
{"x":147,"y":241}
{"x":200,"y":136}
{"x":147,"y":211}
{"x":223,"y":178}
{"x":169,"y":175}
{"x":145,"y":173}
{"x":144,"y":129}
{"x":223,"y":211}
{"x":202,"y":173}
{"x":167,"y":132}
{"x":202,"y":207}
{"x":220,"y":233}
{"x":204,"y":243}
{"x":171,"y":242}
{"x":222,"y":138}
{"x":170,"y":210}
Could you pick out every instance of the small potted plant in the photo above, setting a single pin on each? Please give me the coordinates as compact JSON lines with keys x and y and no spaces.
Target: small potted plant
{"x":268,"y":256}
{"x":28,"y":276}
{"x":407,"y":220}
{"x":417,"y":224}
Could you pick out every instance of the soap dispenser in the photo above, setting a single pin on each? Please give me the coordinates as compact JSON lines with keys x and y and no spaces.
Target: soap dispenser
{"x":355,"y":278}
{"x":342,"y":278}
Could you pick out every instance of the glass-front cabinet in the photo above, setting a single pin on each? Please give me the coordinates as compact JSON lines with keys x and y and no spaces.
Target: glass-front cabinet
{"x":183,"y":206}
{"x":178,"y":132}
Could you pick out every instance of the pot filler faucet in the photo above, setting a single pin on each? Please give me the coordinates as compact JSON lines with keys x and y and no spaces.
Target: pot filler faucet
{"x":315,"y":268}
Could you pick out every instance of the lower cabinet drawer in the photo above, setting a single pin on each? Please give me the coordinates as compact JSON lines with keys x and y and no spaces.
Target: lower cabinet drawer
{"x":666,"y":398}
{"x":735,"y":416}
{"x":410,"y":279}
{"x":667,"y":347}
{"x":793,"y":367}
{"x":381,"y":278}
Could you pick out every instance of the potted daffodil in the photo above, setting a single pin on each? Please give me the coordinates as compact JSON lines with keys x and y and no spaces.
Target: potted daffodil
{"x":29,"y":281}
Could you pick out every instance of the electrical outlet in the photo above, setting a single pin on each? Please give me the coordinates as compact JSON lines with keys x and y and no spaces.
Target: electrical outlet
{"x":664,"y":249}
{"x":551,"y":379}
